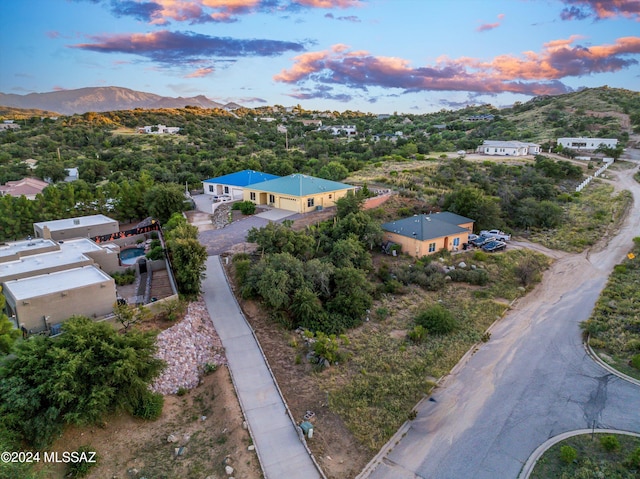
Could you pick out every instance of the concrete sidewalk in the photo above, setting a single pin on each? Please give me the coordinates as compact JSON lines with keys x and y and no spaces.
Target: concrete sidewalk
{"x":280,"y":450}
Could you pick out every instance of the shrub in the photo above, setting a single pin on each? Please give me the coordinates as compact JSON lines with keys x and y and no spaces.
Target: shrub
{"x":568,"y":454}
{"x":242,"y":268}
{"x":610,"y":443}
{"x":245,"y":207}
{"x":437,"y":319}
{"x":182,"y":391}
{"x":635,"y":361}
{"x":125,"y":277}
{"x":633,"y":460}
{"x":155,"y":253}
{"x":82,"y":467}
{"x":632,"y":345}
{"x":480,"y":256}
{"x":418,"y":334}
{"x":150,"y":406}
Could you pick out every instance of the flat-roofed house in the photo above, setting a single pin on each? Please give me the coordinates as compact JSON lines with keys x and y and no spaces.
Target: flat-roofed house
{"x":40,"y":302}
{"x":587,"y":143}
{"x":297,"y":192}
{"x":234,"y":184}
{"x":422,"y":235}
{"x":80,"y":227}
{"x":508,"y":148}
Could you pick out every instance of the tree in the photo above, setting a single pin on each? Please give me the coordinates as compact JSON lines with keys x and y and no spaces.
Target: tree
{"x":8,"y":334}
{"x":78,"y":378}
{"x":334,"y":171}
{"x":162,"y":201}
{"x":473,"y":203}
{"x":351,"y":203}
{"x":129,"y":315}
{"x":188,"y":259}
{"x":437,"y":320}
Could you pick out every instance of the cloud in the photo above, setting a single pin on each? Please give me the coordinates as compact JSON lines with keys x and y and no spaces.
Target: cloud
{"x":59,"y":88}
{"x":350,"y":18}
{"x":600,"y":9}
{"x":163,"y":12}
{"x":175,"y":48}
{"x":200,"y":72}
{"x":52,"y":34}
{"x":490,"y":26}
{"x":530,"y":73}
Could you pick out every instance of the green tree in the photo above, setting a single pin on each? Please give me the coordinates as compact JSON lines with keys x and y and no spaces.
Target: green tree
{"x":334,"y":171}
{"x":78,"y":378}
{"x":351,"y":203}
{"x":473,"y":203}
{"x":8,"y":334}
{"x":128,"y":315}
{"x":188,"y":259}
{"x":162,"y":201}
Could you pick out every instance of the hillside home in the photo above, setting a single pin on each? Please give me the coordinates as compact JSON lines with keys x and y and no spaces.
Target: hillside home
{"x":587,"y":143}
{"x":235,"y":183}
{"x":159,"y":130}
{"x":348,"y":130}
{"x":508,"y":148}
{"x":297,"y":192}
{"x":80,"y":227}
{"x":29,"y":187}
{"x":422,"y":235}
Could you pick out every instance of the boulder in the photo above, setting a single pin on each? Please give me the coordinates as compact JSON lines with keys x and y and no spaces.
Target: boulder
{"x":228,"y":470}
{"x":172,"y":438}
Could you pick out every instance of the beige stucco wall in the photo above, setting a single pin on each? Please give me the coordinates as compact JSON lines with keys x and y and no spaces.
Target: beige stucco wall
{"x":418,"y":249}
{"x":296,"y":203}
{"x":96,"y":299}
{"x":80,"y":231}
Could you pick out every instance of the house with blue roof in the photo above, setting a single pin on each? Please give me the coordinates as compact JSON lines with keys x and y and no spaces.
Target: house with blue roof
{"x":422,"y":235}
{"x":233,"y":184}
{"x":297,"y":192}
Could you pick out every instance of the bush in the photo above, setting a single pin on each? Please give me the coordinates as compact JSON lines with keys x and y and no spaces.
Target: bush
{"x":125,"y":277}
{"x":245,"y":207}
{"x":150,"y":406}
{"x":635,"y":361}
{"x":155,"y":253}
{"x":83,"y":466}
{"x":633,"y":460}
{"x":610,"y":443}
{"x":480,"y":256}
{"x":418,"y":334}
{"x":568,"y":454}
{"x":242,"y":268}
{"x":437,"y":319}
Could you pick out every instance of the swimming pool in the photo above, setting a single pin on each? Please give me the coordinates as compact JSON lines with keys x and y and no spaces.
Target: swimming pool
{"x":131,"y":255}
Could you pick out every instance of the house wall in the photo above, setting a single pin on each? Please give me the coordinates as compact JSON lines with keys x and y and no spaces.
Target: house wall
{"x":236,"y":192}
{"x":80,"y":231}
{"x":93,"y":299}
{"x":295,"y":203}
{"x":587,"y":143}
{"x":418,"y":249}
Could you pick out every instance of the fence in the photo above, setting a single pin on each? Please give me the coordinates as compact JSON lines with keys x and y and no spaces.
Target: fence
{"x":599,"y":171}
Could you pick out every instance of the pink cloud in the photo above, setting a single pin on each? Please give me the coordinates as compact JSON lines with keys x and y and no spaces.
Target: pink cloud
{"x":58,"y":88}
{"x":53,"y":34}
{"x":531,"y":73}
{"x":200,"y":72}
{"x":490,"y":26}
{"x":600,"y":9}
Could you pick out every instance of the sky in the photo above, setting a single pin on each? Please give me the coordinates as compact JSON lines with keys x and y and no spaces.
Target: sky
{"x":378,"y":56}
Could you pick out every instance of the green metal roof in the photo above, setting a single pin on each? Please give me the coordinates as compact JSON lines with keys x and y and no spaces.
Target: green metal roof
{"x":299,"y":185}
{"x":426,"y":227}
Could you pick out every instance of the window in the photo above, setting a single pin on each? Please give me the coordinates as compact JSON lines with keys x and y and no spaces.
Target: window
{"x":226,"y":190}
{"x":310,"y":202}
{"x":272,"y":199}
{"x":252,"y":196}
{"x":432,"y":247}
{"x":456,"y":242}
{"x":330,"y":196}
{"x":210,"y":188}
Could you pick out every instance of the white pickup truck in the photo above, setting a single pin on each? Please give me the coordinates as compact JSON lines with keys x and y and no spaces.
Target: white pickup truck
{"x":497,"y":234}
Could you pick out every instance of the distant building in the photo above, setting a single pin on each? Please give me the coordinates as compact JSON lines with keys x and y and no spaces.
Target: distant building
{"x":587,"y":143}
{"x":508,"y":148}
{"x":348,"y":130}
{"x":311,"y":122}
{"x":9,"y":125}
{"x":480,"y":118}
{"x":72,"y":175}
{"x":80,"y":227}
{"x":159,"y":130}
{"x":29,"y":187}
{"x":422,"y":235}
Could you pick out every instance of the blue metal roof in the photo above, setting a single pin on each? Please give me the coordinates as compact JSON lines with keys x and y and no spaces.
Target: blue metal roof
{"x":242,"y":178}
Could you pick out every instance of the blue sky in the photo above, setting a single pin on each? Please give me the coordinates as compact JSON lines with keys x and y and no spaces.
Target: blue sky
{"x":379,"y":56}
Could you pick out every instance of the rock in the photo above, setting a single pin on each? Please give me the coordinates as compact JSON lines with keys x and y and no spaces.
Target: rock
{"x":326,"y":363}
{"x":462,"y":264}
{"x":172,"y":438}
{"x":447,"y":278}
{"x":473,"y":266}
{"x":522,"y":289}
{"x":228,"y":470}
{"x":185,"y":438}
{"x":251,"y":448}
{"x":133,"y":472}
{"x":203,"y":418}
{"x":244,"y":425}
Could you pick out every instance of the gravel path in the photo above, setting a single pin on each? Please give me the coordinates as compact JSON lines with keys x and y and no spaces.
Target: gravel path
{"x":187,"y":348}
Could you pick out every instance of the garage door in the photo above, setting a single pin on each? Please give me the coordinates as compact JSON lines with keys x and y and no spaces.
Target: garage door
{"x":288,"y":204}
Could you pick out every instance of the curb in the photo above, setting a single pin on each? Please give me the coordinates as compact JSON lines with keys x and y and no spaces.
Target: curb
{"x":528,"y":467}
{"x":606,"y":366}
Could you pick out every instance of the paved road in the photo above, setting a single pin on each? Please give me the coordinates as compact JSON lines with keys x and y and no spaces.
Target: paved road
{"x":280,"y":450}
{"x":531,"y":381}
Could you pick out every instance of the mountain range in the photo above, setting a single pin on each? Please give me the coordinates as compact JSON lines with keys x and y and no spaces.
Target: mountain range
{"x":110,"y":98}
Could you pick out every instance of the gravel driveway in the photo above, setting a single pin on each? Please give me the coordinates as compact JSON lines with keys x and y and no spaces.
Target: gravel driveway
{"x":219,"y":241}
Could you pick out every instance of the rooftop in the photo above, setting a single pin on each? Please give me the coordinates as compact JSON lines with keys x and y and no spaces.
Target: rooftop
{"x":67,"y":223}
{"x":300,"y":185}
{"x":25,"y":247}
{"x":39,"y":262}
{"x":242,"y":178}
{"x":57,"y":282}
{"x":512,"y":143}
{"x":426,"y":227}
{"x":25,"y":186}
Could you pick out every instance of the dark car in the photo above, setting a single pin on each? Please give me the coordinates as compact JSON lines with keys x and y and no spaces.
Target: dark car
{"x":481,"y":240}
{"x":493,"y":246}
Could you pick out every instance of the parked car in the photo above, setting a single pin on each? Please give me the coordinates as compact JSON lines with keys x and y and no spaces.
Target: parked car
{"x":497,"y":234}
{"x":480,"y":240}
{"x":493,"y":246}
{"x":221,"y":198}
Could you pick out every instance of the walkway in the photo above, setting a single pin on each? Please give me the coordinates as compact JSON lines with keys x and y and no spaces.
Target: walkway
{"x":280,"y":450}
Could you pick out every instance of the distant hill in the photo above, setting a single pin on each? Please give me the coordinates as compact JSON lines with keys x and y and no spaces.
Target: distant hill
{"x":98,"y":99}
{"x":13,"y":113}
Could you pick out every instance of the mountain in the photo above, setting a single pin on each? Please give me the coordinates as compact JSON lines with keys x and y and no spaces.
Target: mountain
{"x":111,"y":98}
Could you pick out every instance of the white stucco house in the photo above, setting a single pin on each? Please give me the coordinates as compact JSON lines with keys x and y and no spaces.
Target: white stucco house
{"x":508,"y":148}
{"x":234,"y":184}
{"x":587,"y":143}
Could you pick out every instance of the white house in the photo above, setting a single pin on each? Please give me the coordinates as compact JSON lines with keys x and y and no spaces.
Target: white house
{"x":159,"y":129}
{"x":587,"y":143}
{"x":233,"y":184}
{"x":508,"y":148}
{"x":349,"y":130}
